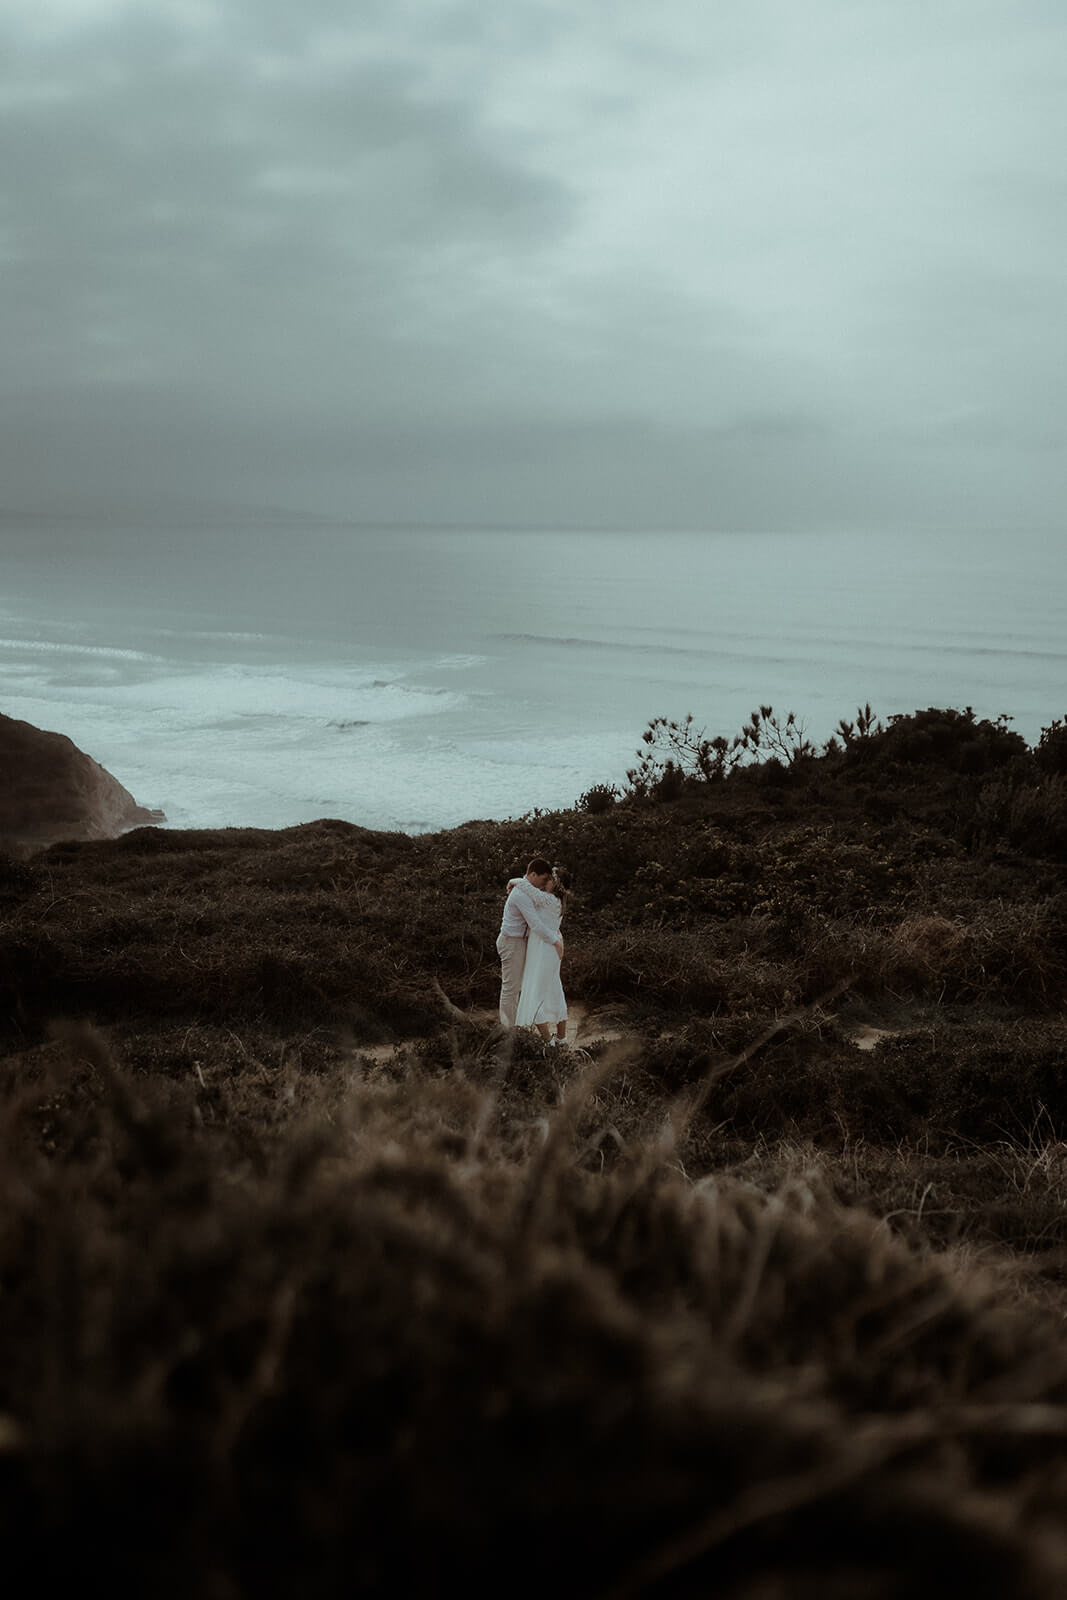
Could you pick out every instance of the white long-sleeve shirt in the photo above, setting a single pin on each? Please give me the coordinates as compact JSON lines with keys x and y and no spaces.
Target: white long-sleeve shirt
{"x":521,"y":912}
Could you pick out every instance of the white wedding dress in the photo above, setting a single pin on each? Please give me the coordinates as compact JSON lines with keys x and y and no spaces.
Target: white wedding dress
{"x":541,"y":997}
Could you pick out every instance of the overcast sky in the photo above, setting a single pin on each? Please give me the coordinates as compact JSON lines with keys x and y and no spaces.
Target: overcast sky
{"x":720,"y":263}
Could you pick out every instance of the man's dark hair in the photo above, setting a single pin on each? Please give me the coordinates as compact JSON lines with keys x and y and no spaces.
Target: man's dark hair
{"x":538,"y":866}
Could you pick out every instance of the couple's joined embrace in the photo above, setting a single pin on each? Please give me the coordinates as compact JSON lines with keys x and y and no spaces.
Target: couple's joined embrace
{"x":530,"y":948}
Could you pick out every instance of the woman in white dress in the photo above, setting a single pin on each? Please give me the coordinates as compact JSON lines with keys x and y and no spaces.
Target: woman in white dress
{"x":542,"y":1004}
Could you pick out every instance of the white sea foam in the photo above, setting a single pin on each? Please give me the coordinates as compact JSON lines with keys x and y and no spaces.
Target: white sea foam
{"x":62,"y":647}
{"x":460,"y":663}
{"x":209,"y":698}
{"x":212,"y":635}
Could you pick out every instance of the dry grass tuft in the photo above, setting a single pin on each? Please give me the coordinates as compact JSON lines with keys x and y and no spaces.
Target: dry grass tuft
{"x":402,"y":1329}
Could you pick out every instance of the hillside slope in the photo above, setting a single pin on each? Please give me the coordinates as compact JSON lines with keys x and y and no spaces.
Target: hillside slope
{"x":312,"y":1284}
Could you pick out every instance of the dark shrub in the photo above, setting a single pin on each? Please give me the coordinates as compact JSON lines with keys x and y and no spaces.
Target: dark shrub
{"x":1030,"y":816}
{"x":17,"y":877}
{"x":600,"y":798}
{"x":954,"y":740}
{"x":1050,"y":753}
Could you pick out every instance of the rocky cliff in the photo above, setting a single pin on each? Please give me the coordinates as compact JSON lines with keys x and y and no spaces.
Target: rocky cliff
{"x":51,"y":790}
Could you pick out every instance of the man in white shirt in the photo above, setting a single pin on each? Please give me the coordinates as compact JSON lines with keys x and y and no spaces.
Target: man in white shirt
{"x":521,"y":919}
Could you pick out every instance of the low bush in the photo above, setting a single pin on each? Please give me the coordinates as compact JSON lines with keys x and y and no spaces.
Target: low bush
{"x":1050,"y":753}
{"x":1028,"y":816}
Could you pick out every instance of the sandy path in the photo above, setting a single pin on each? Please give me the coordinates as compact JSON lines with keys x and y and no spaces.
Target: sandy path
{"x":866,"y":1038}
{"x":584,"y":1027}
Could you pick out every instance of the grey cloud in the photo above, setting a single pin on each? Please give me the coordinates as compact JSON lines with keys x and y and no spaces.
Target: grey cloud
{"x":755,"y":263}
{"x":163,"y":201}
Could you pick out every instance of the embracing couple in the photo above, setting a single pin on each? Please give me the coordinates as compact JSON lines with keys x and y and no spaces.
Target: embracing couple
{"x":530,"y":949}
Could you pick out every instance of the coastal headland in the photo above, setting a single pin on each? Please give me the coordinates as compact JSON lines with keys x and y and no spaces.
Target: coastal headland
{"x":51,"y":790}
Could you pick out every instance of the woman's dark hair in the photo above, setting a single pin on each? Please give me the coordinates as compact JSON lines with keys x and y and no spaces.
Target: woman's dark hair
{"x":561,"y":879}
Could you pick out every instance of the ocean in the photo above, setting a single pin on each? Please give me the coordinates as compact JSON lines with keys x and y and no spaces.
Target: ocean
{"x":415,"y":678}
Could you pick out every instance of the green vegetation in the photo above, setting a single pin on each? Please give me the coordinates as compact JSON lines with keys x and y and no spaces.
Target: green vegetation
{"x":313,"y":1282}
